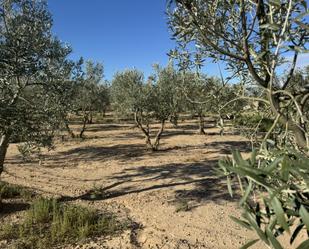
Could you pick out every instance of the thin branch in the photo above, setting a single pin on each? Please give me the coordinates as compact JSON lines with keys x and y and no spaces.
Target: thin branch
{"x":246,"y":98}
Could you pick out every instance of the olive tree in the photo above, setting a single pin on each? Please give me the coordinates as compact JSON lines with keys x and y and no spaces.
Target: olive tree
{"x":33,"y":66}
{"x":166,"y":102}
{"x":154,"y":100}
{"x":130,"y":96}
{"x":89,"y":94}
{"x":255,"y":40}
{"x":196,"y":89}
{"x":209,"y":95}
{"x":223,"y":96}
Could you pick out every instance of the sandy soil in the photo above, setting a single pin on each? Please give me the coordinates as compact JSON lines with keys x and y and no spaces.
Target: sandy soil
{"x":150,"y":187}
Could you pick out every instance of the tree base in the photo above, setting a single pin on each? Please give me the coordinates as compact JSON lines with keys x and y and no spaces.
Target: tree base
{"x":201,"y":132}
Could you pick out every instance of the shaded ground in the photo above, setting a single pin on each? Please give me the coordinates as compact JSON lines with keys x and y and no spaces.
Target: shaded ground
{"x":112,"y":167}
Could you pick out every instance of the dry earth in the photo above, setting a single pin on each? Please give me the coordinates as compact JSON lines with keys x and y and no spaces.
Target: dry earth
{"x":149,"y":187}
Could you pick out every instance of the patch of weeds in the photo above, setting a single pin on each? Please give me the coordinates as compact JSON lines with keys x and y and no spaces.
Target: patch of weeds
{"x":49,"y":223}
{"x":182,"y":206}
{"x":95,"y":193}
{"x":8,"y":231}
{"x":9,"y":191}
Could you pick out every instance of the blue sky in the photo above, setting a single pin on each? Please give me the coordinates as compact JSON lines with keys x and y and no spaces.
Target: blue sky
{"x":120,"y":34}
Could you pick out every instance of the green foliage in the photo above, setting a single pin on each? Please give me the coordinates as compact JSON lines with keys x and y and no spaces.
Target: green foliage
{"x":182,"y":206}
{"x":253,"y":121}
{"x":48,"y":223}
{"x":279,"y":181}
{"x":85,"y":94}
{"x":129,"y":94}
{"x":252,"y":40}
{"x":90,"y":92}
{"x":220,"y":33}
{"x":157,"y":99}
{"x":8,"y":191}
{"x":34,"y":67}
{"x":166,"y":93}
{"x":197,"y":89}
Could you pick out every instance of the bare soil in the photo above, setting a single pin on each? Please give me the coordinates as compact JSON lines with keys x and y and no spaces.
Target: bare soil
{"x":173,"y":195}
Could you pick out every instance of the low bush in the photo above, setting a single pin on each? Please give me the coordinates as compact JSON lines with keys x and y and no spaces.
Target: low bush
{"x":8,"y":191}
{"x":49,"y":223}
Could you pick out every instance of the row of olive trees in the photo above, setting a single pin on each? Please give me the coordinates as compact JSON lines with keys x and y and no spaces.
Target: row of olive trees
{"x":166,"y":94}
{"x":256,"y":40}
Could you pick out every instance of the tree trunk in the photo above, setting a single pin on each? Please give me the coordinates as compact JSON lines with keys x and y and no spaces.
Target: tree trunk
{"x":174,"y":120}
{"x":90,"y":118}
{"x":201,"y":130}
{"x":221,"y":125}
{"x":156,"y":144}
{"x":145,"y":132}
{"x":297,"y":129}
{"x":70,"y":132}
{"x":4,"y":144}
{"x":84,"y":126}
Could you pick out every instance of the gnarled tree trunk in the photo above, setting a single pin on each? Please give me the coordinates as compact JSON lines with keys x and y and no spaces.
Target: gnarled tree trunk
{"x":4,"y":144}
{"x":145,"y":132}
{"x":221,"y":125}
{"x":156,"y":143}
{"x":90,"y":118}
{"x":85,"y":120}
{"x":298,"y":130}
{"x":70,"y":132}
{"x":201,"y":130}
{"x":174,"y":120}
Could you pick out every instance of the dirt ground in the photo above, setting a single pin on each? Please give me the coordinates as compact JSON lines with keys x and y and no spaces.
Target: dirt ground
{"x":173,"y":195}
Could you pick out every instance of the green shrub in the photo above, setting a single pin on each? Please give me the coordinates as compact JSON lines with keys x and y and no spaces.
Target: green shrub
{"x":252,"y":121}
{"x":42,"y":210}
{"x":14,"y":191}
{"x":182,"y":206}
{"x":48,"y":223}
{"x":274,"y":188}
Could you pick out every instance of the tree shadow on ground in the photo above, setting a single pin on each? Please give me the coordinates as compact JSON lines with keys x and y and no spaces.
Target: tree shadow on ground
{"x":213,"y":189}
{"x":106,"y":127}
{"x":8,"y":208}
{"x":195,"y":126}
{"x":90,"y":153}
{"x":122,"y":152}
{"x":178,"y":132}
{"x":227,"y":147}
{"x":192,"y":182}
{"x":125,"y":153}
{"x":172,"y":171}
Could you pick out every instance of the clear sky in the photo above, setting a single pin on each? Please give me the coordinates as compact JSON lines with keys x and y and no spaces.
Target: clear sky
{"x":119,"y":33}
